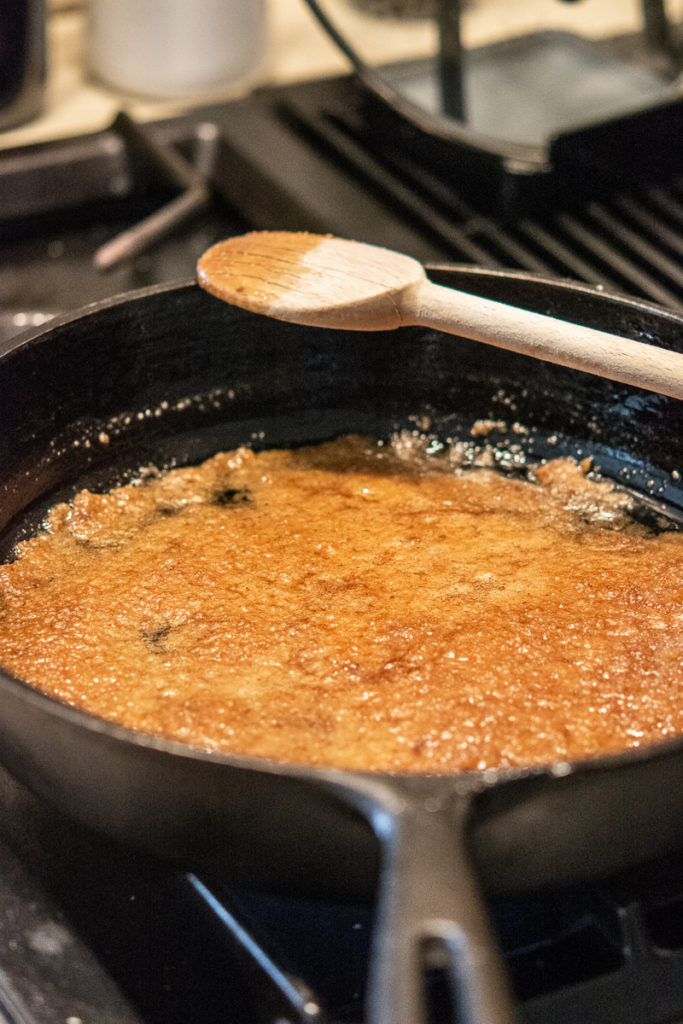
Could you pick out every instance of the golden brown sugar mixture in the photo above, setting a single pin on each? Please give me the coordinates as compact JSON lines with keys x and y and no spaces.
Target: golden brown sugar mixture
{"x":357,"y":606}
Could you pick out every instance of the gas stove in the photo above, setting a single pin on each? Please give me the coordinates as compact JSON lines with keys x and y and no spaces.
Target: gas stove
{"x":94,"y":931}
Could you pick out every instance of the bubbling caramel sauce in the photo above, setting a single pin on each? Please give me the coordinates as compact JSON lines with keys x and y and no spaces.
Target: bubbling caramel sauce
{"x":357,"y":604}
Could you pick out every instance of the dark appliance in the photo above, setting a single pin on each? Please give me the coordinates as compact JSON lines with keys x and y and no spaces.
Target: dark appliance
{"x":22,"y":61}
{"x":97,"y":929}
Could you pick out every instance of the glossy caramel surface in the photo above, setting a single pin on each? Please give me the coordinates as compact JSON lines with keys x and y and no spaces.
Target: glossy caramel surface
{"x":359,"y":605}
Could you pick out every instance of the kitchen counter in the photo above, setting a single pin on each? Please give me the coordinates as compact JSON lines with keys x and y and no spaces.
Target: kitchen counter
{"x":298,"y":49}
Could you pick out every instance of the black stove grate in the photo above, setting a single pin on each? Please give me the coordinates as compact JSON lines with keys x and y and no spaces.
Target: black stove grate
{"x":305,"y":157}
{"x":628,"y":239}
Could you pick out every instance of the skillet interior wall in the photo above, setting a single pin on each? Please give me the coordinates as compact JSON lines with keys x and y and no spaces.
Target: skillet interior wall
{"x":172,"y":374}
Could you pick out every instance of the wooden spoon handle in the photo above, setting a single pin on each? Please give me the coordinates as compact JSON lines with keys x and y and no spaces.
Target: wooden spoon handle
{"x":544,"y":337}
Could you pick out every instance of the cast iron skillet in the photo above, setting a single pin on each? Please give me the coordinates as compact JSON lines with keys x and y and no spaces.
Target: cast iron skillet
{"x":172,"y":374}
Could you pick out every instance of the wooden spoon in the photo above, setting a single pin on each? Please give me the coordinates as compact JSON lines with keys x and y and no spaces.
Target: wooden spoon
{"x":323,"y":281}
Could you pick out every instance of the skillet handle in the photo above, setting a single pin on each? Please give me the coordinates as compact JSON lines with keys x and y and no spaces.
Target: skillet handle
{"x":431,"y":917}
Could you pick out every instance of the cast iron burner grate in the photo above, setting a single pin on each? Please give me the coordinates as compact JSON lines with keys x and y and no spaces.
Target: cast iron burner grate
{"x":311,"y":157}
{"x":581,"y":953}
{"x":592,"y":220}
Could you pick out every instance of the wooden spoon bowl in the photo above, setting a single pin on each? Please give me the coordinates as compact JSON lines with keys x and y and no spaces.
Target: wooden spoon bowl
{"x":322,"y":281}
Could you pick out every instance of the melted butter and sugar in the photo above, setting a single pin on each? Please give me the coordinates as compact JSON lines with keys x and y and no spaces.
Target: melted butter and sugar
{"x":357,"y":605}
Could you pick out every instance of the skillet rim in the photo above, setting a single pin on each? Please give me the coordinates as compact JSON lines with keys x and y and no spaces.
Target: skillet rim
{"x":34,"y":334}
{"x":473,"y":780}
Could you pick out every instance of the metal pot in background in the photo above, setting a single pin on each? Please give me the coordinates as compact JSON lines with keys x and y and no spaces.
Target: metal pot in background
{"x":22,"y":61}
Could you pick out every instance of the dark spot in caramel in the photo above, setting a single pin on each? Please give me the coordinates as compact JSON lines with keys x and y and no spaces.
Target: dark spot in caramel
{"x":169,"y":510}
{"x":155,"y":639}
{"x":230,"y":496}
{"x":99,"y":544}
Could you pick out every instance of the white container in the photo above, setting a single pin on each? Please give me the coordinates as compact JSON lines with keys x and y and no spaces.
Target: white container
{"x":176,"y":48}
